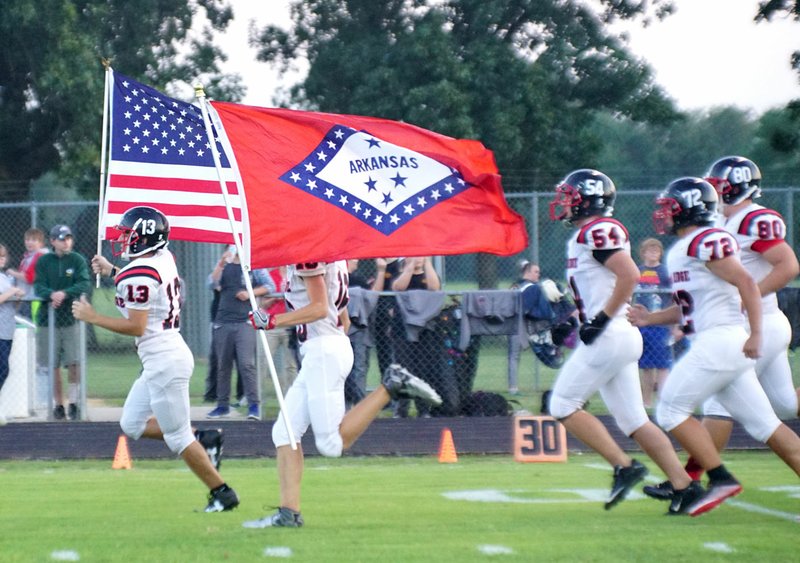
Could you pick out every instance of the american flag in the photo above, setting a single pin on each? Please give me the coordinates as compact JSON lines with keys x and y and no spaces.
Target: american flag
{"x":160,"y":156}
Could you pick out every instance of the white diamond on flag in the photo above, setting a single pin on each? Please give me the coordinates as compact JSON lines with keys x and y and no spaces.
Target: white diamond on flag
{"x":382,"y":184}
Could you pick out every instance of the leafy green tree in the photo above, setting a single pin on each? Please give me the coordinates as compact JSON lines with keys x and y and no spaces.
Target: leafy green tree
{"x":785,"y":141}
{"x":51,"y":79}
{"x":523,"y":76}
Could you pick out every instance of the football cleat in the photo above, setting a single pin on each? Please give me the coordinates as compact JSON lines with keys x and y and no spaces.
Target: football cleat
{"x":59,"y":413}
{"x":717,"y":493}
{"x":624,"y":480}
{"x":684,"y":498}
{"x":662,"y":491}
{"x":222,"y":500}
{"x":211,"y":440}
{"x":282,"y":518}
{"x":401,"y":384}
{"x":73,"y":412}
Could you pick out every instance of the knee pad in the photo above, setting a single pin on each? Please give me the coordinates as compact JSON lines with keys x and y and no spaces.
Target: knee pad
{"x":561,"y":407}
{"x":280,"y":437}
{"x":330,"y":445}
{"x":668,"y":417}
{"x":786,"y":407}
{"x":179,"y":440}
{"x":132,"y":428}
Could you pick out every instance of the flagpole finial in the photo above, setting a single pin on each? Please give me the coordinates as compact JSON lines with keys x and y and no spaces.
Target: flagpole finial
{"x":198,"y":91}
{"x":106,"y":63}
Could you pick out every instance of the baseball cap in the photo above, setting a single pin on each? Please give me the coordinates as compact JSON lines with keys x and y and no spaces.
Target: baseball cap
{"x":60,"y":232}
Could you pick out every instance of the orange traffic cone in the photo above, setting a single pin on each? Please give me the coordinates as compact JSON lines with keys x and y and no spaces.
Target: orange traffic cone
{"x":447,"y":449}
{"x":122,"y":456}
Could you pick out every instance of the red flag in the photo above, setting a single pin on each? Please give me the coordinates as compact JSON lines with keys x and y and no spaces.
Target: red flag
{"x":323,"y":187}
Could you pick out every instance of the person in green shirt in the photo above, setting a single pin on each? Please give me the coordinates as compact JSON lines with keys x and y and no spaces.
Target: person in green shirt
{"x":61,"y":277}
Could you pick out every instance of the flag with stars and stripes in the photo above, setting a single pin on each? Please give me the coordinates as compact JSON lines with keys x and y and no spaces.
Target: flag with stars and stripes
{"x":323,"y":187}
{"x":160,"y":156}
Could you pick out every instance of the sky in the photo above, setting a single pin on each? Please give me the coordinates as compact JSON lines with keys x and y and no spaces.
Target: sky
{"x":709,"y":53}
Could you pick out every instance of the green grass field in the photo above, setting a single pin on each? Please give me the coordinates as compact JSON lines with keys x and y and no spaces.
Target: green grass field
{"x":387,"y":509}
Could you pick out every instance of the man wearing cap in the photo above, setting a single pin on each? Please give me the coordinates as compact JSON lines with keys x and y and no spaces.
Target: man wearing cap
{"x":61,"y":277}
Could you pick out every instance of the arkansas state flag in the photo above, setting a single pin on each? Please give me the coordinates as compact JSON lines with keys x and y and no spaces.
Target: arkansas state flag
{"x":324,"y":187}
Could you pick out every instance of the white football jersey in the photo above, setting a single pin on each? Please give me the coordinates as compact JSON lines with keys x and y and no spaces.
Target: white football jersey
{"x":705,"y":300}
{"x":151,"y":284}
{"x":336,"y":279}
{"x":590,"y":281}
{"x":757,"y":229}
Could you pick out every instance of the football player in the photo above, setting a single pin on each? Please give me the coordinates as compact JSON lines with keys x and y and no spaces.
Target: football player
{"x":772,"y":263}
{"x":602,"y":276}
{"x":316,"y":303}
{"x":710,"y":287}
{"x":149,"y":298}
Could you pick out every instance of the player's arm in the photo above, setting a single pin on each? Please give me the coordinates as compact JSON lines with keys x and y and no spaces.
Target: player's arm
{"x":627,"y":273}
{"x":344,"y":319}
{"x":314,"y":311}
{"x":638,"y":315}
{"x":134,"y":325}
{"x":731,"y":270}
{"x":784,"y":268}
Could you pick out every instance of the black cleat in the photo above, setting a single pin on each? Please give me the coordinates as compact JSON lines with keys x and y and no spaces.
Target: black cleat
{"x":59,"y":413}
{"x":401,"y":384}
{"x":222,"y":500}
{"x":73,"y":413}
{"x":624,"y":480}
{"x":662,"y":491}
{"x":282,"y":518}
{"x":211,"y":440}
{"x":684,"y":498}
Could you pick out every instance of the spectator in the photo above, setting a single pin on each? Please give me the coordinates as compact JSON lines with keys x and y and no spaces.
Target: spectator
{"x":416,"y":357}
{"x":387,"y":319}
{"x":34,"y":248}
{"x":528,"y":284}
{"x":232,"y":335}
{"x":210,"y":394}
{"x":61,"y":277}
{"x":355,"y":386}
{"x":280,"y":340}
{"x":8,"y":295}
{"x":656,"y":357}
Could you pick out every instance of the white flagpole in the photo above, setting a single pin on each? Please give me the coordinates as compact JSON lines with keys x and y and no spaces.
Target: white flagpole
{"x":103,"y":148}
{"x":201,"y":96}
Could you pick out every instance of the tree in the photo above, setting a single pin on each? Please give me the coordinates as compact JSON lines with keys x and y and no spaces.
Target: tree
{"x":51,"y":80}
{"x":783,"y":141}
{"x":523,"y":76}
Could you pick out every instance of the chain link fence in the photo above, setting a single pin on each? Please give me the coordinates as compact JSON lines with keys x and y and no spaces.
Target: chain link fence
{"x":439,"y":353}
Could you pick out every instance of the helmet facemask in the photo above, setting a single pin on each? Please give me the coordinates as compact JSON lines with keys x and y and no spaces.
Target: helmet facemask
{"x":562,"y":206}
{"x":664,"y":216}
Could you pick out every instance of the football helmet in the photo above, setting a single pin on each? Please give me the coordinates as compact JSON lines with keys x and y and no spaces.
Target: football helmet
{"x":735,"y":178}
{"x":583,"y":193}
{"x":685,"y":202}
{"x":140,"y":230}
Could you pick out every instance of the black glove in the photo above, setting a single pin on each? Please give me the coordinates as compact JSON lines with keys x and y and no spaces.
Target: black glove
{"x":591,"y":330}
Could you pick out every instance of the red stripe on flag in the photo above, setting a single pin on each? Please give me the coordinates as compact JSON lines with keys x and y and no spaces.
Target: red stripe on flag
{"x":170,"y":184}
{"x":178,"y":210}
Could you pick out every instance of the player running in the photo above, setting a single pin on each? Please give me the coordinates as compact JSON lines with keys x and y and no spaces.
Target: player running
{"x":602,"y":277}
{"x":149,"y":298}
{"x":710,"y":287}
{"x":316,"y":301}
